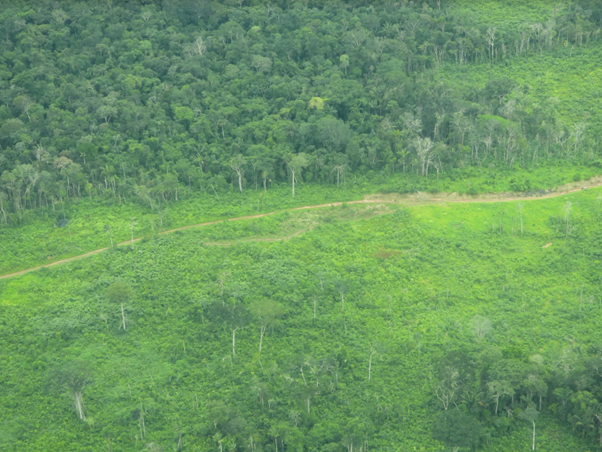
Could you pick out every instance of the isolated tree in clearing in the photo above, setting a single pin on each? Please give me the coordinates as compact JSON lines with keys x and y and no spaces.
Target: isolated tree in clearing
{"x":120,"y":293}
{"x":268,"y":312}
{"x":74,"y":377}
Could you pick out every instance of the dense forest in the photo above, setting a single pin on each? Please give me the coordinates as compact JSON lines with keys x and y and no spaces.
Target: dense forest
{"x":146,"y":101}
{"x":448,"y":310}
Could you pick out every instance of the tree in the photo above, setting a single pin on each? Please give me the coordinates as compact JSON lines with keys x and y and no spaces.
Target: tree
{"x":106,"y":112}
{"x":497,"y":389}
{"x":233,"y":316}
{"x":120,"y":293}
{"x":537,"y":385}
{"x":23,"y":103}
{"x":530,"y":415}
{"x":334,"y":133}
{"x":237,"y":163}
{"x":372,"y":353}
{"x":340,"y":169}
{"x":480,"y":327}
{"x":341,"y":286}
{"x":457,"y":429}
{"x":184,"y":114}
{"x":261,"y":64}
{"x":295,"y":165}
{"x":340,"y":163}
{"x":268,"y":312}
{"x":344,"y":59}
{"x":317,"y":103}
{"x":424,"y":147}
{"x":74,"y":377}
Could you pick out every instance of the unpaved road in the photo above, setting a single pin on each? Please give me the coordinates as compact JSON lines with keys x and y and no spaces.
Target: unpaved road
{"x":413,"y":199}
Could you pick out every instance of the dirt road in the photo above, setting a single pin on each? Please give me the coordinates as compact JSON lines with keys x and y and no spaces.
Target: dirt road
{"x":414,"y":199}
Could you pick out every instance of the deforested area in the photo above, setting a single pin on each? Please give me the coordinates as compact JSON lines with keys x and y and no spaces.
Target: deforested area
{"x":300,"y":226}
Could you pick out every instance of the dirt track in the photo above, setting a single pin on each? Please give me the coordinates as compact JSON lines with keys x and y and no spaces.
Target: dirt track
{"x":413,"y":199}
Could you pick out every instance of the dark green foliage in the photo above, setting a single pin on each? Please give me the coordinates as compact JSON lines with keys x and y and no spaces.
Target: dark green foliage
{"x":457,"y":429}
{"x":153,"y":102}
{"x":119,"y":292}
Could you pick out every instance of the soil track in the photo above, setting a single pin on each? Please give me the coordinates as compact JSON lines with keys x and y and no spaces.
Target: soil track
{"x":414,"y":199}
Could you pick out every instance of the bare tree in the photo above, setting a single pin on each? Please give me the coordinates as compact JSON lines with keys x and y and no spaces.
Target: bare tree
{"x":447,"y":388}
{"x":577,"y":134}
{"x":200,"y":46}
{"x":424,"y":147}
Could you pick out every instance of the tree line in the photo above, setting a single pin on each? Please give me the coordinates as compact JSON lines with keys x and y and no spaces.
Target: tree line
{"x":487,"y":392}
{"x":150,"y":102}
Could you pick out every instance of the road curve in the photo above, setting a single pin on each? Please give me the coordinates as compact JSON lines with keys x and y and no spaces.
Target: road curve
{"x":399,"y":199}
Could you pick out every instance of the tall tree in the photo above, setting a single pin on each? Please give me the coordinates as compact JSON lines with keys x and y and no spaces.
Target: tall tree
{"x":120,"y":293}
{"x":268,"y":312}
{"x":295,"y":164}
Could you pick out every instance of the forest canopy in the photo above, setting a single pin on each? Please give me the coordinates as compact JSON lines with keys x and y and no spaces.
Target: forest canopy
{"x":148,"y":100}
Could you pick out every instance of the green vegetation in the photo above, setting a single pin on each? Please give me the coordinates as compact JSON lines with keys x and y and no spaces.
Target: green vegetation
{"x":82,"y":226}
{"x":444,"y":306}
{"x":131,"y":101}
{"x":412,"y":322}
